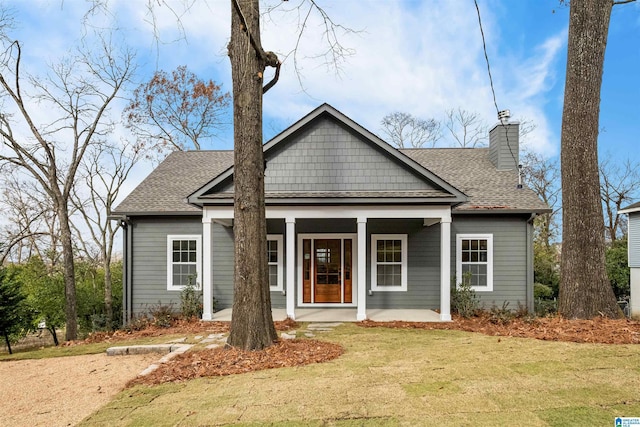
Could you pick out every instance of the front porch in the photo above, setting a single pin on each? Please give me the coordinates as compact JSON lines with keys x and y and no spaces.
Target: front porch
{"x":343,"y":315}
{"x":331,"y":255}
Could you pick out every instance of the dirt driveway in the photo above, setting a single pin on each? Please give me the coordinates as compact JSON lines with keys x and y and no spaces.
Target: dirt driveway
{"x":62,"y":391}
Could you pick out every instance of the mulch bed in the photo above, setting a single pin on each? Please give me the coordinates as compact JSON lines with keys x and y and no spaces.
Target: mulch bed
{"x":598,"y":330}
{"x":229,"y":360}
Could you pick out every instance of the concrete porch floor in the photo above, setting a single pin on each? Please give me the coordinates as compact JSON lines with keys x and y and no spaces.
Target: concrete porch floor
{"x":343,"y":315}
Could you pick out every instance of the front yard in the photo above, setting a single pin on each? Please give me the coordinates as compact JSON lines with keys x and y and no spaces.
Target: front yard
{"x":406,"y":377}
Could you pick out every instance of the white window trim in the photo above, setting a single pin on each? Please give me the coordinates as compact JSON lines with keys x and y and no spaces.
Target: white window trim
{"x":489,"y":239}
{"x":374,"y":264}
{"x":170,"y":239}
{"x":280,"y":286}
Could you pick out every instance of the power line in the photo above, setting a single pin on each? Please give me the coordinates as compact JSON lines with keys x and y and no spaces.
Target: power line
{"x":493,"y":91}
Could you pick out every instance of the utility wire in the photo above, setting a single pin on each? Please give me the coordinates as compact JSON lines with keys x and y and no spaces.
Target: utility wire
{"x":493,"y":92}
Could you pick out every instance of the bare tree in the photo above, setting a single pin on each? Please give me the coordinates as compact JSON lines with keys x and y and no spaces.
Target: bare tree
{"x":467,"y":129}
{"x":23,"y":230}
{"x":542,"y":175}
{"x":405,"y":130}
{"x":31,"y":228}
{"x":76,"y":95}
{"x":585,"y":290}
{"x":177,"y":112}
{"x":104,"y":171}
{"x":619,"y":185}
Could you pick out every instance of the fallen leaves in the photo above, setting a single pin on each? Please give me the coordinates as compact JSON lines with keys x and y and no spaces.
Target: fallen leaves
{"x":229,"y":360}
{"x":598,"y":330}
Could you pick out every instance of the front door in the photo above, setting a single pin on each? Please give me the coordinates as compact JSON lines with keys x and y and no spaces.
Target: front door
{"x":327,"y":270}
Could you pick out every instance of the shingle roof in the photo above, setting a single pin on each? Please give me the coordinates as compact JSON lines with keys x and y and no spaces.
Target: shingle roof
{"x":165,"y":190}
{"x":471,"y":171}
{"x":630,"y":209}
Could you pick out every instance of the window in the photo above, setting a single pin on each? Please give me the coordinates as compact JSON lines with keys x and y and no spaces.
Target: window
{"x":184,"y":253}
{"x":474,"y":255}
{"x":275,"y":260}
{"x":389,"y":262}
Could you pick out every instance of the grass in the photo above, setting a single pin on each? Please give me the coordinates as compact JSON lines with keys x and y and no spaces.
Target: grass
{"x":391,"y":377}
{"x":78,"y":350}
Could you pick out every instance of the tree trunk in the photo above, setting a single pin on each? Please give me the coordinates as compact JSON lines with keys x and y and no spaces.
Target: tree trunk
{"x":8,"y":342}
{"x":54,"y":335}
{"x":108,"y":294}
{"x":585,"y":291}
{"x":70,"y":308}
{"x":252,"y":323}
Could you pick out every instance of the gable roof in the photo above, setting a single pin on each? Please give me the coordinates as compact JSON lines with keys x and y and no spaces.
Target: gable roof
{"x":464,"y":178}
{"x":326,"y":155}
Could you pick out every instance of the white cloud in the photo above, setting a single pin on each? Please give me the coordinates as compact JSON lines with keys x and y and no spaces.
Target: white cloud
{"x":418,"y":57}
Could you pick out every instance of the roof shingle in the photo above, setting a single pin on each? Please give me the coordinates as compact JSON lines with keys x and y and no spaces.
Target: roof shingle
{"x":165,"y":190}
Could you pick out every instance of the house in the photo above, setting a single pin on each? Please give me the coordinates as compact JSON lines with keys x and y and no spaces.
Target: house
{"x":633,"y":248}
{"x":352,"y":222}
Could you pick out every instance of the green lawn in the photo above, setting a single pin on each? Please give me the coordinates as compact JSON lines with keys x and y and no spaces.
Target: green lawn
{"x":406,"y":377}
{"x":78,"y":350}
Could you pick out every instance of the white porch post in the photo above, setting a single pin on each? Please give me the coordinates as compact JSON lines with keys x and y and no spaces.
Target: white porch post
{"x":207,"y":282}
{"x":361,"y":313}
{"x":445,"y":269}
{"x":290,"y":266}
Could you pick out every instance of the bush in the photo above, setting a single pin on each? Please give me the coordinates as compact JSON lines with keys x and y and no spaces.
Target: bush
{"x":191,"y":301}
{"x":463,"y":299}
{"x":541,"y":291}
{"x":162,"y":315}
{"x":501,"y":315}
{"x":545,"y":307}
{"x":618,"y":269}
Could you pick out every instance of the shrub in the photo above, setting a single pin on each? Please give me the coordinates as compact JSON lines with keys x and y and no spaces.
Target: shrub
{"x":501,"y":315}
{"x":545,"y":307}
{"x":541,"y":291}
{"x":463,"y":299}
{"x":191,"y":301}
{"x":162,"y":315}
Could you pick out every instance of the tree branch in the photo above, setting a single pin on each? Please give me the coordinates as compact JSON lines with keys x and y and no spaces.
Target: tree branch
{"x":622,"y":2}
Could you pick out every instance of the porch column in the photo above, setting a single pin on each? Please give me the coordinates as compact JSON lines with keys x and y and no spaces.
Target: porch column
{"x":290,"y":267}
{"x":445,"y":269}
{"x":207,"y":282}
{"x":362,"y":269}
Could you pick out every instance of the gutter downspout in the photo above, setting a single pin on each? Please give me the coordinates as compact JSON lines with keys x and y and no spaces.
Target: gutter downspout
{"x":530,"y":266}
{"x":127,"y":264}
{"x":129,"y":270}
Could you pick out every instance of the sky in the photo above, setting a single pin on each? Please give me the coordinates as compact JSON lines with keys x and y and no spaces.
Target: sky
{"x":419,"y":57}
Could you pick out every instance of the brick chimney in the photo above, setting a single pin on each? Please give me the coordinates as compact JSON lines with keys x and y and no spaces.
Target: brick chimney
{"x":504,"y":143}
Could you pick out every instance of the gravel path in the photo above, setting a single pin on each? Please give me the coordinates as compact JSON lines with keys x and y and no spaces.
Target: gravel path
{"x":63,"y":391}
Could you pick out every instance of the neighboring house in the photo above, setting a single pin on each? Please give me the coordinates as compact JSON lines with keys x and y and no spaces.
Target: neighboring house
{"x":633,"y":247}
{"x":351,"y":222}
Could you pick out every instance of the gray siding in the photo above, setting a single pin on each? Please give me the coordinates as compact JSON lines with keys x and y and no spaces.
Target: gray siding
{"x":329,"y":157}
{"x":149,"y":246}
{"x":222,"y":265}
{"x":509,"y":256}
{"x":634,"y":239}
{"x":423,"y":279}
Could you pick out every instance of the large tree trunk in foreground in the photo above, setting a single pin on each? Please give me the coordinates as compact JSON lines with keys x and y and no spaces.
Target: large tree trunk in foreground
{"x":585,"y":291}
{"x":251,"y":324}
